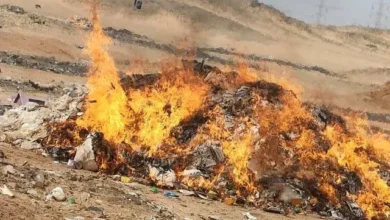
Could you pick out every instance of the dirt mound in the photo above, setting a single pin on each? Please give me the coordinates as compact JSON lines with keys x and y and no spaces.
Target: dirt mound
{"x":380,"y":95}
{"x":267,"y":9}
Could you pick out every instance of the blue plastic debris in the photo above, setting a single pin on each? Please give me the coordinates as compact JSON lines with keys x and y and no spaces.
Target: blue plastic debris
{"x":170,"y":194}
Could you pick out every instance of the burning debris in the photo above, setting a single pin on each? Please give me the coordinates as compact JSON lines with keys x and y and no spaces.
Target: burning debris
{"x":221,"y":135}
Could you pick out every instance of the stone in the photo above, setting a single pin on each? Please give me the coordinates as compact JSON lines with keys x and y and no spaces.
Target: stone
{"x":5,"y":191}
{"x":116,"y":177}
{"x":57,"y":194}
{"x":83,"y":197}
{"x":39,"y":180}
{"x":9,"y":170}
{"x":29,"y":145}
{"x":33,"y":193}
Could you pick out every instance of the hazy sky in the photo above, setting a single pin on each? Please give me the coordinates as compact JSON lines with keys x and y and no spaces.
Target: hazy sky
{"x":337,"y":12}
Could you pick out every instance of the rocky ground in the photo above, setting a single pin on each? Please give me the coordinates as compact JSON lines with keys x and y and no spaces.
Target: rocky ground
{"x":32,"y":175}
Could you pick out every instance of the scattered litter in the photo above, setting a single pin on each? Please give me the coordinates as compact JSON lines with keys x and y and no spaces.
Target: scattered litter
{"x":230,"y":201}
{"x":164,"y":178}
{"x":6,"y":191}
{"x":213,"y":217}
{"x":249,"y":216}
{"x":336,"y":215}
{"x":186,"y":192}
{"x":133,"y":194}
{"x":202,"y":196}
{"x":71,"y":200}
{"x":170,"y":194}
{"x":125,"y":179}
{"x":71,"y":164}
{"x":274,"y":210}
{"x":23,"y":99}
{"x":153,"y":190}
{"x":192,"y":173}
{"x":212,"y":195}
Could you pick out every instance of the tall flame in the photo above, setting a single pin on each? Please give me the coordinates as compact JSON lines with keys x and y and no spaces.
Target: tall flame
{"x":141,"y":117}
{"x":106,"y":102}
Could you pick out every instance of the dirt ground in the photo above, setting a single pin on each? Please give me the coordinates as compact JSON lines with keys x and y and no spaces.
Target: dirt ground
{"x":114,"y":199}
{"x":353,"y":75}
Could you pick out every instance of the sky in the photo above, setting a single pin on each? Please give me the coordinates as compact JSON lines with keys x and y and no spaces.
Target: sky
{"x":336,"y":12}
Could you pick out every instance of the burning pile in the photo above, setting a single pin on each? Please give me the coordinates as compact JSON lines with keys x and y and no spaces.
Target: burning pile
{"x":225,"y":135}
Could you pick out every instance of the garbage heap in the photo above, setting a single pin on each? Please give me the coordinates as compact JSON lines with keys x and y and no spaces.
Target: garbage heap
{"x":24,"y":125}
{"x":246,"y":142}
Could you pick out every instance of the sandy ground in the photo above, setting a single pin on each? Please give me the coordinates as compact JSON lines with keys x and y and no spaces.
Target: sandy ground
{"x":357,"y":58}
{"x":98,"y":196}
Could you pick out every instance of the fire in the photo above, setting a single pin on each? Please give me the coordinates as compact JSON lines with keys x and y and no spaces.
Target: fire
{"x":141,"y":117}
{"x":106,"y":104}
{"x":261,"y":128}
{"x":235,"y":145}
{"x":157,"y":109}
{"x":353,"y":152}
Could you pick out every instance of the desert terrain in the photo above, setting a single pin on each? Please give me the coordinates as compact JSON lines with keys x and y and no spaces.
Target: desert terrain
{"x":43,"y":41}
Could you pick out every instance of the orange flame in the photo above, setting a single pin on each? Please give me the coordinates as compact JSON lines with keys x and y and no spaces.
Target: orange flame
{"x":159,"y":108}
{"x":106,"y":104}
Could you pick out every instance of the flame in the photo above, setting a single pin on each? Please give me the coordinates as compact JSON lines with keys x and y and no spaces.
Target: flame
{"x":277,"y":128}
{"x":141,"y":117}
{"x":161,"y":107}
{"x":106,"y":104}
{"x":352,"y":152}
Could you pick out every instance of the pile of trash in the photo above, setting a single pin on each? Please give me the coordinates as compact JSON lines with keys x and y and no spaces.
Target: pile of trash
{"x":24,"y":125}
{"x":211,"y":156}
